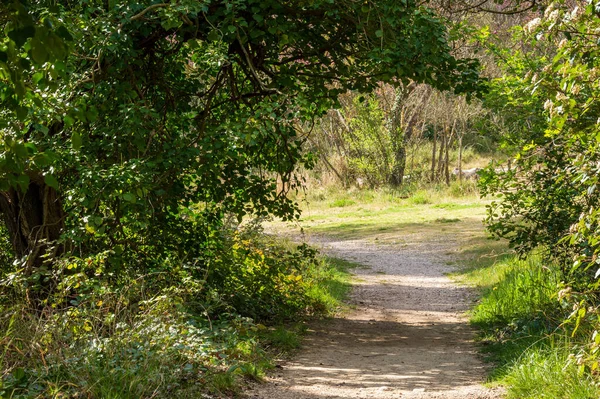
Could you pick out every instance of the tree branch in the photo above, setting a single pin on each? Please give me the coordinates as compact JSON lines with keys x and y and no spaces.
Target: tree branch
{"x":147,"y":10}
{"x":144,"y":12}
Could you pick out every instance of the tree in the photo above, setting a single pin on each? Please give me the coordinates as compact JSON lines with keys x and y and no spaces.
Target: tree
{"x":402,"y":123}
{"x":119,"y":116}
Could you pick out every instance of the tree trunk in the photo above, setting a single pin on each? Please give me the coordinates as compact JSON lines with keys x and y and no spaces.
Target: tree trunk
{"x":447,"y":140}
{"x":334,"y":170}
{"x":433,"y":152}
{"x":35,"y":220}
{"x":397,"y":177}
{"x":460,"y":150}
{"x":448,"y":145}
{"x":440,"y":162}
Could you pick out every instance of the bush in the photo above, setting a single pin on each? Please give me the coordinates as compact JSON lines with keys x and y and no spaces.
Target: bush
{"x":99,"y":349}
{"x":421,"y":197}
{"x":259,"y":277}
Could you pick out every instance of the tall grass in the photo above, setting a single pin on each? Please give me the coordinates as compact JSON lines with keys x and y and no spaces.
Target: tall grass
{"x":516,"y":290}
{"x":548,"y":371}
{"x":519,"y":320}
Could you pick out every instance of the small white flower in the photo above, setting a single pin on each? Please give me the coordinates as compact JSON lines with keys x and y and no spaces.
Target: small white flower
{"x":574,"y":12}
{"x":575,"y":89}
{"x":532,"y":25}
{"x":563,"y":43}
{"x":548,"y":104}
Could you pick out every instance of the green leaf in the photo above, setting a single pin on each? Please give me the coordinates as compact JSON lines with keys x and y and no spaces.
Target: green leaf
{"x":19,"y":374}
{"x":68,"y":120}
{"x":42,"y":159}
{"x":19,"y":149}
{"x":56,"y":46}
{"x":214,"y":35}
{"x":38,"y":51}
{"x":379,"y":33}
{"x":31,"y":148}
{"x":23,"y":182}
{"x":91,"y":114}
{"x":51,"y":181}
{"x":37,"y":77}
{"x":63,"y":33}
{"x":76,"y":140}
{"x":129,"y":197}
{"x":20,"y":89}
{"x":22,"y":113}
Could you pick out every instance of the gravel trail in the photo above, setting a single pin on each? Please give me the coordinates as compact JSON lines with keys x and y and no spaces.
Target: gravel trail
{"x":407,"y":336}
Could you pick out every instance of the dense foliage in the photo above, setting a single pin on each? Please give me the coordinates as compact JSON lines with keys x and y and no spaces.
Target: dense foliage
{"x":118,"y":117}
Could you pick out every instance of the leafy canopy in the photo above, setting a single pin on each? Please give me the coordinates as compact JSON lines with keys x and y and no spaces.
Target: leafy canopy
{"x":135,"y":111}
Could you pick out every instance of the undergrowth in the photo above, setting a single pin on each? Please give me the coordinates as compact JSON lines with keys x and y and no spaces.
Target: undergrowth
{"x":167,"y":333}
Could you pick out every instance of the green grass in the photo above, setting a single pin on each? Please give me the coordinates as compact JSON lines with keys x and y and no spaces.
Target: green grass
{"x":519,"y":320}
{"x":447,"y":220}
{"x":548,"y":371}
{"x":421,"y":197}
{"x":335,"y":283}
{"x":283,"y":338}
{"x":390,"y":216}
{"x":342,"y":202}
{"x":513,"y":289}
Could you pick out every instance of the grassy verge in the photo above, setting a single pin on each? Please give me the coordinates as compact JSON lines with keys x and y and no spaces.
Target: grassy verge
{"x":519,"y":321}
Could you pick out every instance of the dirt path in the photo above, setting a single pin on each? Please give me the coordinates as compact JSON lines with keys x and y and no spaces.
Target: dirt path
{"x":406,"y":338}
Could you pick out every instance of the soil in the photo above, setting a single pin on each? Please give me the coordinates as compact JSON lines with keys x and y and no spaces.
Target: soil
{"x":406,"y":336}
